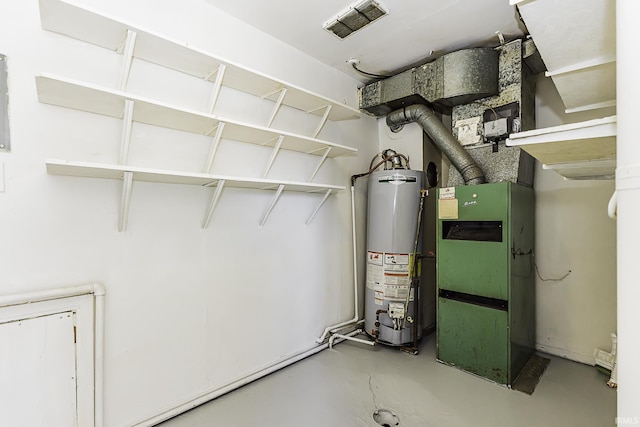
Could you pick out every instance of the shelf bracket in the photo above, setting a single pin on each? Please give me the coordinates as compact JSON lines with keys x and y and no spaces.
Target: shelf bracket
{"x":324,"y":199}
{"x":274,"y":154}
{"x":276,"y":107}
{"x":217,"y":85}
{"x":213,"y":204}
{"x":129,"y":45}
{"x":267,"y":211}
{"x":127,"y":123}
{"x":323,"y":119}
{"x":214,"y":147}
{"x":127,"y":184}
{"x":322,"y":159}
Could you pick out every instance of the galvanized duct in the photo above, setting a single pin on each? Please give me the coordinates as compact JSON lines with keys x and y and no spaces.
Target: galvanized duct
{"x":442,"y":137}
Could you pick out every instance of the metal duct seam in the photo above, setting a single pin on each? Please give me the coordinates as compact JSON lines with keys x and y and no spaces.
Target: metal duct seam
{"x":442,"y":137}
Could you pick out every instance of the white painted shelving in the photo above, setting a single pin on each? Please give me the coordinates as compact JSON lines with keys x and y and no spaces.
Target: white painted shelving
{"x":584,"y":150}
{"x":577,"y":42}
{"x":70,"y":19}
{"x":133,"y":42}
{"x":129,"y":174}
{"x":95,"y":99}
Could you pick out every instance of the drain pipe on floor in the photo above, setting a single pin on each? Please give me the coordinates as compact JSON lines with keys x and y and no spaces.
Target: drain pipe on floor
{"x":441,"y":136}
{"x":351,"y":337}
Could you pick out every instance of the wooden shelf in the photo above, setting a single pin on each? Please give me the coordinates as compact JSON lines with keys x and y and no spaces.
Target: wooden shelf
{"x":585,"y":150}
{"x":76,"y":21}
{"x":87,"y":97}
{"x":129,"y":174}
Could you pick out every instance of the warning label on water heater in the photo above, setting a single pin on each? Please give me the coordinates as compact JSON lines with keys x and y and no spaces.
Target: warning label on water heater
{"x":388,"y":276}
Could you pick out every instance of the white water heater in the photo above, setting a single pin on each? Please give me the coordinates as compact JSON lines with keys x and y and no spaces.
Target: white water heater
{"x":392,"y":225}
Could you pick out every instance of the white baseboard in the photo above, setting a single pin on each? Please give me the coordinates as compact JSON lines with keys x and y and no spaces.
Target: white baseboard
{"x":587,"y":359}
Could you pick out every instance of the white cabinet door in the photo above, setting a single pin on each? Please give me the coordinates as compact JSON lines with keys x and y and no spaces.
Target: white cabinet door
{"x":38,"y":372}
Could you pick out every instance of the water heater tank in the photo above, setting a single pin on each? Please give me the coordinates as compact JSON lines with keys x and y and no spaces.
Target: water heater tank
{"x":392,"y":220}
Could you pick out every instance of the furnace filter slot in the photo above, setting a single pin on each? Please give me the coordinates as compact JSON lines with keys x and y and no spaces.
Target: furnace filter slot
{"x":479,"y":231}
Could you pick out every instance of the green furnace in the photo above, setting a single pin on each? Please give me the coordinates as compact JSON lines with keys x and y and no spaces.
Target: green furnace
{"x":486,"y":279}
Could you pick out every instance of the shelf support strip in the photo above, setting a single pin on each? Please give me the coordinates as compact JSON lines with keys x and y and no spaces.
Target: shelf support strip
{"x":217,"y":84}
{"x":127,"y":184}
{"x":322,"y":159}
{"x":313,"y":215}
{"x":129,"y":45}
{"x":323,"y":120}
{"x":127,"y":123}
{"x":214,"y":147}
{"x":274,"y":154}
{"x":276,"y":107}
{"x":267,"y":211}
{"x":213,"y":204}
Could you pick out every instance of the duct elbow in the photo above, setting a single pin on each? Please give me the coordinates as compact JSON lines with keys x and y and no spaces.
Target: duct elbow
{"x":441,"y":136}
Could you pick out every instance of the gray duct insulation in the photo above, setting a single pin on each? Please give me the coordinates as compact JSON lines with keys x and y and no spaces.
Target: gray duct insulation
{"x":442,"y":137}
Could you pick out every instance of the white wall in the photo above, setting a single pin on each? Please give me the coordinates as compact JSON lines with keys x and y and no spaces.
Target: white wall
{"x":187,"y":310}
{"x":573,"y":232}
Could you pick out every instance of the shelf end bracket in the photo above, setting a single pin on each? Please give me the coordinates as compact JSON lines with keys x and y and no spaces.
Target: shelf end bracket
{"x":274,"y":154}
{"x":267,"y":211}
{"x":127,"y":185}
{"x":212,"y":205}
{"x":127,"y":51}
{"x":315,"y":211}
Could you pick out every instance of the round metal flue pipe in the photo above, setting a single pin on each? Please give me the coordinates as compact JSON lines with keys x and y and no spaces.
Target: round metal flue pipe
{"x":442,"y":137}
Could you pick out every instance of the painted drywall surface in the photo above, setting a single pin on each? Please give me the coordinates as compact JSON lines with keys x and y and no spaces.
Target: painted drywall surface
{"x":187,"y":310}
{"x":573,"y":233}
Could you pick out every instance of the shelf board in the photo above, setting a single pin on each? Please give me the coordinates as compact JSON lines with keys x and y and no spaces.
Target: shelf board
{"x":576,"y":150}
{"x":592,"y":169}
{"x":70,"y":19}
{"x":109,"y":171}
{"x":91,"y":98}
{"x":582,"y":67}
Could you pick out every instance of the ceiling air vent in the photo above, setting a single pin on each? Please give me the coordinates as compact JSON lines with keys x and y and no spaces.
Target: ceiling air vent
{"x":355,"y":17}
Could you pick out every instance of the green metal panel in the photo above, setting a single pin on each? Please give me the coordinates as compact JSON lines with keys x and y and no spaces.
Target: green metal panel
{"x":477,"y":268}
{"x":473,"y":338}
{"x":522,"y":337}
{"x":489,"y":341}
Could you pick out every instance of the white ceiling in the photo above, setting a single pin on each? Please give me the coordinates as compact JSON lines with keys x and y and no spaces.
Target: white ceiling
{"x":413,"y":32}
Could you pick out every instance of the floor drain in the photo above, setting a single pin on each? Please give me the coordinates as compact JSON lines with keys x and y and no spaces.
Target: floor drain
{"x":385,"y":418}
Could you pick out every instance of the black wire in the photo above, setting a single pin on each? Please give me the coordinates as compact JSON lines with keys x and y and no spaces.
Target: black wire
{"x":520,"y":252}
{"x":378,"y":76}
{"x":535,"y":264}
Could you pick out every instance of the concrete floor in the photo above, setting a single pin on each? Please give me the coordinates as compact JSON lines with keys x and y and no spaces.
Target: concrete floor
{"x":342,"y":387}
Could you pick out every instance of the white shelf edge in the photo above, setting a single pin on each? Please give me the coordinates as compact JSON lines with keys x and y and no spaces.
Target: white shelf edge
{"x":111,"y":171}
{"x":595,"y":62}
{"x":597,"y":128}
{"x":598,"y":105}
{"x":603,"y":163}
{"x":76,"y":21}
{"x":577,"y":151}
{"x":56,"y":90}
{"x":603,"y":169}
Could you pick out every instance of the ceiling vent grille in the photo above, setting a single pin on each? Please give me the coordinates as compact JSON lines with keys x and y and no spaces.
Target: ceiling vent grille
{"x":357,"y":16}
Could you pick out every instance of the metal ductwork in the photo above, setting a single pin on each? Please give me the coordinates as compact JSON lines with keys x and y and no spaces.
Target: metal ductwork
{"x":442,"y":137}
{"x":453,"y":79}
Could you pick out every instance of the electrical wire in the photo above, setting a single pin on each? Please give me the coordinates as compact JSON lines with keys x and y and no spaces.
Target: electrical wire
{"x":377,"y":76}
{"x":532,"y":254}
{"x":495,"y":113}
{"x":559,"y":279}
